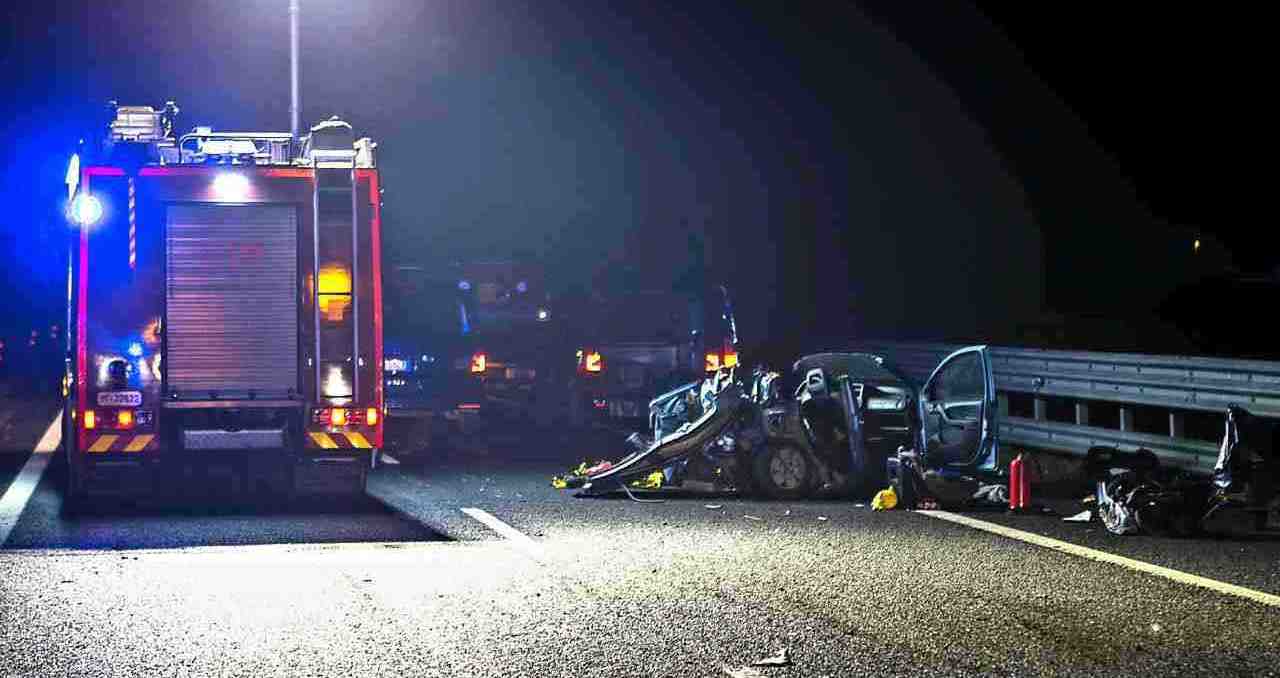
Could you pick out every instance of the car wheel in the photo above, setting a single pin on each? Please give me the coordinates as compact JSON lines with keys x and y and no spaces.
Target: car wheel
{"x":784,"y":472}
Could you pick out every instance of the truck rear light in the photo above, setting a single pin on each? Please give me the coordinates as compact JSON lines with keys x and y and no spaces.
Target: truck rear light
{"x":479,"y":363}
{"x":124,"y":419}
{"x":90,"y":419}
{"x":590,"y":362}
{"x":345,"y":416}
{"x":716,"y":361}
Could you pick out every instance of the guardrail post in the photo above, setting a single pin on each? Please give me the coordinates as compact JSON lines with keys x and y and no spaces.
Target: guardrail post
{"x":1041,"y":409}
{"x":1126,"y":419}
{"x":1175,"y":425}
{"x":1082,"y":414}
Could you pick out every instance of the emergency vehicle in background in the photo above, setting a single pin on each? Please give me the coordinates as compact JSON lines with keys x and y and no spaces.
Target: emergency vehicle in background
{"x":471,"y":346}
{"x":646,"y":343}
{"x":225,"y":311}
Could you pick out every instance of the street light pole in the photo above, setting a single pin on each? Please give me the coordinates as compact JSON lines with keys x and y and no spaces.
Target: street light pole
{"x":293,"y":68}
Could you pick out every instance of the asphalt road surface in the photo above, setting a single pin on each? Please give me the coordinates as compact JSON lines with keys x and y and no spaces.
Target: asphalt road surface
{"x":476,"y":566}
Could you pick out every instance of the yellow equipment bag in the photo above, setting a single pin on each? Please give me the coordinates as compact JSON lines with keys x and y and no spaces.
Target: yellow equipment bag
{"x":884,"y":500}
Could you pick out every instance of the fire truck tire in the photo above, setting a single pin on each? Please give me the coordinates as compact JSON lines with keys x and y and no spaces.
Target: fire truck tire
{"x":73,"y":493}
{"x":362,"y":485}
{"x":784,"y":471}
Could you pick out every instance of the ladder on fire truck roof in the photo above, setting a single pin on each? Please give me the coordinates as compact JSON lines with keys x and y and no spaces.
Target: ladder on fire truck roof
{"x":333,"y":153}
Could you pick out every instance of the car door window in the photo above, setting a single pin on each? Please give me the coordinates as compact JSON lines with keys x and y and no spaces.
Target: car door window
{"x":958,"y":387}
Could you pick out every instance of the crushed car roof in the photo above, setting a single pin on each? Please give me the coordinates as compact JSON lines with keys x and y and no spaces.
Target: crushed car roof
{"x":858,"y":366}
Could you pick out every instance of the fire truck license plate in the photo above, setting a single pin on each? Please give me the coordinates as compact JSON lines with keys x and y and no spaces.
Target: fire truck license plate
{"x":120,"y":399}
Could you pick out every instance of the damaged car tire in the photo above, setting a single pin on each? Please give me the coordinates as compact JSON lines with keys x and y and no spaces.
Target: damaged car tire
{"x":784,"y":472}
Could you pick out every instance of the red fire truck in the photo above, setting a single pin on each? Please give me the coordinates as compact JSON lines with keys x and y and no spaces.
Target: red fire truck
{"x":225,"y":310}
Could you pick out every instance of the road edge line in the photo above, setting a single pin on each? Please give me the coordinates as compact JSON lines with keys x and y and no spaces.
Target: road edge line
{"x":1102,"y":556}
{"x":23,"y":486}
{"x":518,"y":539}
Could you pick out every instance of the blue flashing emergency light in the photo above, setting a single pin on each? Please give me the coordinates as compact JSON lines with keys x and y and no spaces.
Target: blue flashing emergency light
{"x":85,"y":210}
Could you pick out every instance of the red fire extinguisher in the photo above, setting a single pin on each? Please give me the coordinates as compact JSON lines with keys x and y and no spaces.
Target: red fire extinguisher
{"x":1019,"y":484}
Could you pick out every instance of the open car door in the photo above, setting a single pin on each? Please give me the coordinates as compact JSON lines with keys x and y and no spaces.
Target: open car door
{"x":958,"y":413}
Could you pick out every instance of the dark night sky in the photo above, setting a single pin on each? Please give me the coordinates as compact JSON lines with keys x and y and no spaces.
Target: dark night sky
{"x":868,"y":160}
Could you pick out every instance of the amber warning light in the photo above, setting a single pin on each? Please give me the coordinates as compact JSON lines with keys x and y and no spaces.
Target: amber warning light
{"x":590,"y":361}
{"x":479,"y":362}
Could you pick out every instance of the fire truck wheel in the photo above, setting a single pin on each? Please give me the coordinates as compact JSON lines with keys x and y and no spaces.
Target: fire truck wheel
{"x":73,"y":494}
{"x":783,"y":471}
{"x":362,"y":485}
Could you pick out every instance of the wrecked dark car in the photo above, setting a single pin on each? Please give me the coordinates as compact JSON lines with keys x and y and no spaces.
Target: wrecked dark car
{"x":1135,"y":493}
{"x":838,"y":425}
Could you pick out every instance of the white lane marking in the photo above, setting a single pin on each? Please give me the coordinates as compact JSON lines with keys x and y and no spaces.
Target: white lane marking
{"x":1104,"y":557}
{"x":20,"y":490}
{"x":518,"y":539}
{"x":388,"y":459}
{"x":52,"y":436}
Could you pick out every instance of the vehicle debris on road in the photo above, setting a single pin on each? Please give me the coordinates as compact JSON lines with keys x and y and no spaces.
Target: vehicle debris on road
{"x":1135,"y":493}
{"x":783,"y":658}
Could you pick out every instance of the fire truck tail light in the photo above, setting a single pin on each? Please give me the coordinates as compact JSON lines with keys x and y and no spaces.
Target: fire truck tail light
{"x":592,"y":362}
{"x":712,"y":363}
{"x":338,"y":416}
{"x":371,"y":416}
{"x":731,"y":359}
{"x":90,"y":419}
{"x":124,"y":419}
{"x":479,"y":362}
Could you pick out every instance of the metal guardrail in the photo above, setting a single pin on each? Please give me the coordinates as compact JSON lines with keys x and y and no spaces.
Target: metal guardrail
{"x":1179,"y":385}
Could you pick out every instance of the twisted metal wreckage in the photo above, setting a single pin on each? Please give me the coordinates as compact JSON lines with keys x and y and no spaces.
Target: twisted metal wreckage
{"x":851,"y":424}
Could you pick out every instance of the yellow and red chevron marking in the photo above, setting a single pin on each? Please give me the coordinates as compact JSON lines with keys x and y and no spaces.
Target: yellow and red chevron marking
{"x":338,"y":441}
{"x":109,"y":443}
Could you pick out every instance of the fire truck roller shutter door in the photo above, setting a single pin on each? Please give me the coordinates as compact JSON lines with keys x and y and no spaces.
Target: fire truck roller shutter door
{"x":232,"y":300}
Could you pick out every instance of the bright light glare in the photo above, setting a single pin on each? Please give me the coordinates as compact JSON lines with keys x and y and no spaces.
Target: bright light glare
{"x":135,"y":349}
{"x":336,"y":384}
{"x":85,"y":210}
{"x":231,"y":187}
{"x":544,"y":315}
